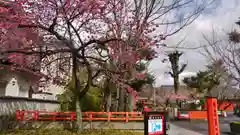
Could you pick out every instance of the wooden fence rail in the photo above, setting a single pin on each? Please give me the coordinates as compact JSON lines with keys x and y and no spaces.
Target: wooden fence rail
{"x":34,"y":115}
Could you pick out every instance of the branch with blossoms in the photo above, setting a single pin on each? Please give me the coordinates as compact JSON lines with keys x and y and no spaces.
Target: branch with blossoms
{"x":124,"y":32}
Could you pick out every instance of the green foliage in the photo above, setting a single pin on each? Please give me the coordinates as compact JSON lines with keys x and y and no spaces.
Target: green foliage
{"x":234,"y":36}
{"x":203,"y":101}
{"x":141,"y":66}
{"x":66,"y":132}
{"x":90,"y":102}
{"x":204,"y":81}
{"x":236,"y":122}
{"x":137,"y":84}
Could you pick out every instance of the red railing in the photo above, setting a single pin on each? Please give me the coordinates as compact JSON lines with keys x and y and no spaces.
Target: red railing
{"x":87,"y":116}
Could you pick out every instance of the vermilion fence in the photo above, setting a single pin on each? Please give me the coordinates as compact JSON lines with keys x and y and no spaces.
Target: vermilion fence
{"x":198,"y":114}
{"x":70,"y":116}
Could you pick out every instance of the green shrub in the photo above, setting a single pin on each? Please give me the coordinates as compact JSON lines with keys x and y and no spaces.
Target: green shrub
{"x":236,"y":122}
{"x":66,"y":132}
{"x":90,"y":102}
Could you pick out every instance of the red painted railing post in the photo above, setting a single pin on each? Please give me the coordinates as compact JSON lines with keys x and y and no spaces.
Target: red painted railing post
{"x":22,"y":113}
{"x":73,"y":114}
{"x":127,"y":116}
{"x":90,"y":116}
{"x":54,"y":116}
{"x":131,"y":114}
{"x":17,"y":114}
{"x":178,"y":115}
{"x":189,"y":115}
{"x":35,"y":115}
{"x":109,"y":116}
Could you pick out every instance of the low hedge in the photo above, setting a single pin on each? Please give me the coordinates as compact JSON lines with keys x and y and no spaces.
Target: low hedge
{"x":235,"y":127}
{"x":236,"y":123}
{"x":66,"y":132}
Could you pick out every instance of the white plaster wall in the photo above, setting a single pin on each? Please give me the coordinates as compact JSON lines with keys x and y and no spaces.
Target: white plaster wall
{"x":44,"y":96}
{"x":38,"y":96}
{"x":23,"y":93}
{"x":23,"y":86}
{"x":55,"y":90}
{"x":17,"y":84}
{"x":12,"y":88}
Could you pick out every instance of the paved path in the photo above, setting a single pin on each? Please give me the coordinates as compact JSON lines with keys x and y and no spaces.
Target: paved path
{"x":177,"y":130}
{"x":202,"y":127}
{"x":198,"y":127}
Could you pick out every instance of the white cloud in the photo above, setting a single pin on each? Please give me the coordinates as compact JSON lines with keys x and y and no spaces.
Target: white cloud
{"x":220,"y":18}
{"x":168,"y":80}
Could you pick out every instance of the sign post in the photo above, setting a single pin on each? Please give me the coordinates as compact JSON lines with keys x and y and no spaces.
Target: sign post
{"x":213,"y":123}
{"x":154,"y":123}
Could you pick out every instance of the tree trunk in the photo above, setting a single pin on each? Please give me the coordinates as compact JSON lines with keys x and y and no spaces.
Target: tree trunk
{"x":107,"y":96}
{"x":121,"y":100}
{"x":107,"y":101}
{"x":78,"y":123}
{"x":131,"y":103}
{"x":126,"y":102}
{"x":176,"y":89}
{"x":117,"y":100}
{"x":176,"y":83}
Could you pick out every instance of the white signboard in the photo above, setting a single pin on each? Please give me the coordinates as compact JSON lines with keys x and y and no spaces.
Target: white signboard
{"x":155,"y":125}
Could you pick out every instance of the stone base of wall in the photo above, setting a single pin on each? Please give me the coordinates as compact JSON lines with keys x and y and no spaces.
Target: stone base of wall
{"x":9,"y":105}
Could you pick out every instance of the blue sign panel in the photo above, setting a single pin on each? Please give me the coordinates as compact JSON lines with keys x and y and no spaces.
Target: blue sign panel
{"x":155,"y":125}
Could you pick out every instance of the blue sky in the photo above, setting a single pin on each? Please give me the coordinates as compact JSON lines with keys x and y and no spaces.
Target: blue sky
{"x":219,"y":16}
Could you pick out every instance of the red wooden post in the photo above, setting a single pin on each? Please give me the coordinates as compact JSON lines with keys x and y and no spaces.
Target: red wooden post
{"x":35,"y":116}
{"x":54,"y":115}
{"x":73,"y":115}
{"x":127,"y":116}
{"x":90,"y":116}
{"x":109,"y":116}
{"x":178,"y":115}
{"x":213,"y":123}
{"x":17,"y":114}
{"x":22,"y":113}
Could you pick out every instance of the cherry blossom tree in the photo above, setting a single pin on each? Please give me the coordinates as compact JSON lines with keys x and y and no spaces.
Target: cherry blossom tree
{"x":140,"y":23}
{"x":90,"y":34}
